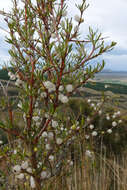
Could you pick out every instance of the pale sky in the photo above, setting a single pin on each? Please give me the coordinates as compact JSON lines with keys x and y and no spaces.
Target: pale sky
{"x":110,"y":16}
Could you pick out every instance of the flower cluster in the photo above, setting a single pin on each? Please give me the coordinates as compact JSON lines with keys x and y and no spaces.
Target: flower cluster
{"x":19,"y":170}
{"x":16,"y":77}
{"x":64,"y":99}
{"x":49,"y":86}
{"x":69,"y":88}
{"x":12,"y":76}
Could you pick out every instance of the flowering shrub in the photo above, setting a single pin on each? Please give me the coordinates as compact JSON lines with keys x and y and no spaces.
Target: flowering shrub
{"x":50,"y":62}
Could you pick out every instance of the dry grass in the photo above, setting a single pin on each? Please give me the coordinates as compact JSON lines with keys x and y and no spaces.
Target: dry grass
{"x":106,"y":174}
{"x":87,"y":173}
{"x":96,"y":173}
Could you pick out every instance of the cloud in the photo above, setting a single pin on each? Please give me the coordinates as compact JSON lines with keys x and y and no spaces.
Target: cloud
{"x":116,"y":62}
{"x":109,"y":16}
{"x":119,"y":51}
{"x":6,"y":5}
{"x":4,"y":55}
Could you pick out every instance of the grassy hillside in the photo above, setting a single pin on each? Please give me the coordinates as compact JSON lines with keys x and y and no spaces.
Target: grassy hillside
{"x":115,"y":88}
{"x":105,"y":165}
{"x":4,"y":74}
{"x":98,"y":86}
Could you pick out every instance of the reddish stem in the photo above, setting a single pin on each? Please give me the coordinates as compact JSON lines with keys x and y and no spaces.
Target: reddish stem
{"x":29,"y":118}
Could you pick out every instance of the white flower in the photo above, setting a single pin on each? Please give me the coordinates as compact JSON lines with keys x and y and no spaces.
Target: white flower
{"x":51,"y":157}
{"x":61,"y":88}
{"x":54,"y":124}
{"x":36,"y":118}
{"x":106,"y":86}
{"x":77,"y":122}
{"x":100,"y":112}
{"x":92,"y":105}
{"x":36,"y":105}
{"x":44,"y":134}
{"x":69,"y":88}
{"x":24,"y":165}
{"x":43,"y":174}
{"x":109,"y":131}
{"x":77,"y":18}
{"x":9,"y":73}
{"x":50,"y":135}
{"x":24,"y":117}
{"x":89,"y":100}
{"x":87,"y":136}
{"x":47,"y":146}
{"x":39,"y":164}
{"x":20,"y":176}
{"x":94,"y":133}
{"x":47,"y":115}
{"x":12,"y":76}
{"x":120,"y":121}
{"x":81,"y":80}
{"x":99,"y":104}
{"x":1,"y":142}
{"x":108,"y":118}
{"x":50,"y":86}
{"x":18,"y":82}
{"x":43,"y":95}
{"x":73,"y":138}
{"x":32,"y":182}
{"x":78,"y":128}
{"x":88,"y":119}
{"x":88,"y":153}
{"x":29,"y":170}
{"x":59,"y":141}
{"x":118,"y":113}
{"x":114,"y":116}
{"x":17,"y":169}
{"x":38,"y":123}
{"x":15,"y":152}
{"x":70,"y":162}
{"x":91,"y":126}
{"x":62,"y":98}
{"x":114,"y":123}
{"x":20,"y":104}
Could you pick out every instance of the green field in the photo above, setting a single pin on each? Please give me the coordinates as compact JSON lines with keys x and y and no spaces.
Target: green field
{"x":115,"y":88}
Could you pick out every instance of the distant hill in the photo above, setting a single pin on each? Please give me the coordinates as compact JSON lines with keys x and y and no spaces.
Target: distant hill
{"x":115,"y":88}
{"x":106,"y":71}
{"x":4,"y":74}
{"x":112,"y":71}
{"x":98,"y":86}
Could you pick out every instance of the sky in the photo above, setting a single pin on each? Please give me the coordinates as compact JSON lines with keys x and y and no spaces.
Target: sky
{"x":109,"y":16}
